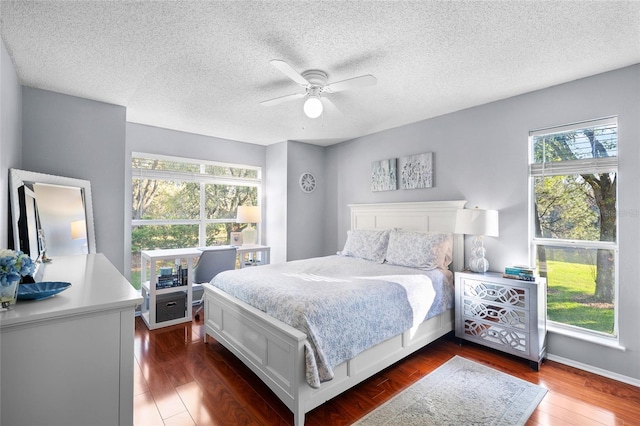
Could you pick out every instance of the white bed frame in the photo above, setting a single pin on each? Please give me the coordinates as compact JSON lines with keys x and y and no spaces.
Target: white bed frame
{"x":275,"y":350}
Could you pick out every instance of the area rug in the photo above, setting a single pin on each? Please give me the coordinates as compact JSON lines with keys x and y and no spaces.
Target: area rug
{"x":460,"y":392}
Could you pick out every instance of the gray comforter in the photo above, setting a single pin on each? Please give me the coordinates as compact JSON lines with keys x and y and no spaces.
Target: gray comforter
{"x":344,"y":305}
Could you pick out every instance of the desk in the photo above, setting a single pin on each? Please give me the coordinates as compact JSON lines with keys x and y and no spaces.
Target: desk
{"x":68,"y":359}
{"x":248,"y":255}
{"x":253,"y":255}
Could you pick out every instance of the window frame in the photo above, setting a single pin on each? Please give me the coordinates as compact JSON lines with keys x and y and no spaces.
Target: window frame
{"x":571,"y":167}
{"x":203,"y":180}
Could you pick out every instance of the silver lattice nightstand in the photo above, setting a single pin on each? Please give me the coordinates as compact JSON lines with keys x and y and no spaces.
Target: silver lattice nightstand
{"x":502,"y":313}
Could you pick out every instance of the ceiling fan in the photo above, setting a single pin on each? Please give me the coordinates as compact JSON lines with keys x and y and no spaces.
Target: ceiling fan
{"x":315,"y":83}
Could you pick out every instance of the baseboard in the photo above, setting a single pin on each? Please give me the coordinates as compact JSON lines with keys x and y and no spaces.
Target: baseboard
{"x":595,"y":370}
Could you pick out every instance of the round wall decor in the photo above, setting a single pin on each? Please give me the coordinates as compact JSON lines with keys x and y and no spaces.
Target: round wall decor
{"x":307,"y":182}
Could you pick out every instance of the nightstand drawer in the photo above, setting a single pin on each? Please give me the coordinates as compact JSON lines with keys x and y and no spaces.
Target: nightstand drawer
{"x":504,"y":315}
{"x":497,"y":293}
{"x":506,"y":339}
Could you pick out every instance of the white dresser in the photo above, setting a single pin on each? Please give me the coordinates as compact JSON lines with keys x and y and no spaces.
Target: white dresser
{"x":68,"y":360}
{"x":502,"y":313}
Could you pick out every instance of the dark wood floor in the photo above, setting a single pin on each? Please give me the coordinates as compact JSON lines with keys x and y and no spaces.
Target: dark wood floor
{"x":179,"y":380}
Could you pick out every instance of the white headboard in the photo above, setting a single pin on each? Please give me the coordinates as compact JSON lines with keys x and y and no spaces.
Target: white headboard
{"x":431,"y":216}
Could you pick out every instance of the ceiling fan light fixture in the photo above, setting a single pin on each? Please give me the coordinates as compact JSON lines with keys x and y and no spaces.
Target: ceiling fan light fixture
{"x":313,"y":106}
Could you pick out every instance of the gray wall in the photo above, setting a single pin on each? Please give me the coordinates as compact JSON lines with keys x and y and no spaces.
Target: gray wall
{"x":296,"y":219}
{"x":305,"y":211}
{"x":80,"y":138}
{"x":481,"y":155}
{"x":10,"y":135}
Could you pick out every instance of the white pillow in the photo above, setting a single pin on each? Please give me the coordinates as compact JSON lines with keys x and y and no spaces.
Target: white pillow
{"x":423,"y":250}
{"x":366,"y":244}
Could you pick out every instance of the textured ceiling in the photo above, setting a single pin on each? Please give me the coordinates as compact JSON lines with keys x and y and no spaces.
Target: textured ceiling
{"x":203,"y":67}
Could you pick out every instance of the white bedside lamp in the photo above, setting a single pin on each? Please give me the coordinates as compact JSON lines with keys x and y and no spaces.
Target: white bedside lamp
{"x":478,"y":223}
{"x":249,"y":215}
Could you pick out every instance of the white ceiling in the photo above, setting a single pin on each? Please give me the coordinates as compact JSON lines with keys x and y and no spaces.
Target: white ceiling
{"x":203,"y":67}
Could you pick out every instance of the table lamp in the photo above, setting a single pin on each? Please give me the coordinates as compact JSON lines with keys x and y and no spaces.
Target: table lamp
{"x":249,"y":215}
{"x":478,"y":223}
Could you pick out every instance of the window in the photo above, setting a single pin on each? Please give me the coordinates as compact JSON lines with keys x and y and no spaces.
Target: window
{"x":178,"y":202}
{"x":573,"y":171}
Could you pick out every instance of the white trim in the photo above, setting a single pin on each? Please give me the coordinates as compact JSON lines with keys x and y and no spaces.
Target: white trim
{"x":607,"y":121}
{"x":595,"y":370}
{"x":575,"y":244}
{"x":193,"y":177}
{"x":144,"y":222}
{"x":590,"y":166}
{"x":175,"y":159}
{"x":586,"y":335}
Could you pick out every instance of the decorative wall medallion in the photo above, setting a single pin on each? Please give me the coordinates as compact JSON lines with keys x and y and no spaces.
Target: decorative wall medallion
{"x":307,"y":182}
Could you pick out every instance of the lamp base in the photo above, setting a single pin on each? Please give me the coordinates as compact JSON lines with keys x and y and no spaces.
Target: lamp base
{"x":249,"y":236}
{"x":478,"y":263}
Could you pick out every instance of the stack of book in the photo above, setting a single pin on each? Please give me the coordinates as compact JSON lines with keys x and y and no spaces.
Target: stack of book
{"x":165,"y":281}
{"x":523,"y":273}
{"x":178,"y":279}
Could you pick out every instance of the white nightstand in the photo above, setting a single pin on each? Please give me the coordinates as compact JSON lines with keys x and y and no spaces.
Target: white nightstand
{"x":505,"y":314}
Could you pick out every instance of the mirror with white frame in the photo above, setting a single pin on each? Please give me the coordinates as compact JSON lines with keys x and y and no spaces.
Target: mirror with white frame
{"x":51,"y":215}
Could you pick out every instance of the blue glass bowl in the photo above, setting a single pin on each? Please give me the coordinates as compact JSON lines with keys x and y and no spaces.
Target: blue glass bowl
{"x":37,"y":291}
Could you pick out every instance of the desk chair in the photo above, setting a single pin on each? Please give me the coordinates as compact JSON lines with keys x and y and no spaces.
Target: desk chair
{"x":212,"y":261}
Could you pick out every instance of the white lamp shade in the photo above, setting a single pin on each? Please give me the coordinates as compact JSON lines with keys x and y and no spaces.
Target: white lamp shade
{"x":477,"y":222}
{"x":313,"y":107}
{"x":248,"y":214}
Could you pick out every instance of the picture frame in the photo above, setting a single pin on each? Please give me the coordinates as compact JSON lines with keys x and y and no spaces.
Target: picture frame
{"x":416,"y":171}
{"x":384,"y":175}
{"x":236,"y":238}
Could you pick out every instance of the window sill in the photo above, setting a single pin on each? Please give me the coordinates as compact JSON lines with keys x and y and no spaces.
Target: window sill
{"x":610,"y":342}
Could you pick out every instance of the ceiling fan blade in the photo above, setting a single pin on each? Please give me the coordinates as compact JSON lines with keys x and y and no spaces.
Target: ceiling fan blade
{"x":330,"y":105}
{"x":351,"y":83}
{"x":282,"y":99}
{"x":286,"y":69}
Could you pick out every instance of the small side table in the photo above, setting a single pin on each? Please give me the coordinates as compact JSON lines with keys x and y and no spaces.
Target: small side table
{"x":150,"y":291}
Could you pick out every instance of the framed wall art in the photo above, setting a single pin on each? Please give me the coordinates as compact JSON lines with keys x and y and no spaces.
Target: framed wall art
{"x":416,"y":171}
{"x":236,"y":238}
{"x":384,"y":175}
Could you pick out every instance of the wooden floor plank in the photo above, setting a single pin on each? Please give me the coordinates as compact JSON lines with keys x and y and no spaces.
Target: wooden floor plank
{"x":179,"y":380}
{"x":182,"y":419}
{"x":145,"y":411}
{"x":139,"y":383}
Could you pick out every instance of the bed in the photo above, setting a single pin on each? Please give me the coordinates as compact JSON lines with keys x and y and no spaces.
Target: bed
{"x":297,"y":366}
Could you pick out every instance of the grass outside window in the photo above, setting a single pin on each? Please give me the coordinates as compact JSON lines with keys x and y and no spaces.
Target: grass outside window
{"x":570,"y":300}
